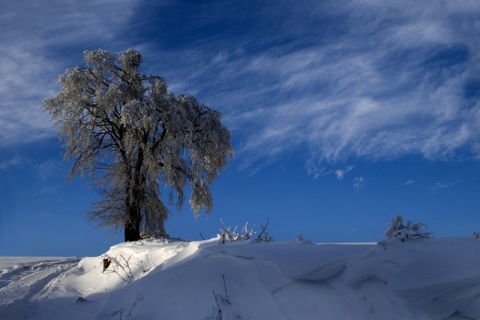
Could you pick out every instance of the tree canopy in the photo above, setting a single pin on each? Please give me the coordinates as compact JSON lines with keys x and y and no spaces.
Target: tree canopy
{"x":128,"y":133}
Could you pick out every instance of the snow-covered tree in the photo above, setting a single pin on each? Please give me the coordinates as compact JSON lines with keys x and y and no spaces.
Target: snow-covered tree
{"x":128,"y":133}
{"x":396,"y":229}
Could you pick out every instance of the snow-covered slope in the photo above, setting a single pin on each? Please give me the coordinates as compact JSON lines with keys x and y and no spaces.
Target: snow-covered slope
{"x":160,"y":279}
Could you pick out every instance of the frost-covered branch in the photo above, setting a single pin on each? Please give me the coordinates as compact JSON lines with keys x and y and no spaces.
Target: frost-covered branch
{"x":121,"y":267}
{"x":397,"y":230}
{"x":263,"y":236}
{"x":246,"y":233}
{"x":229,"y":236}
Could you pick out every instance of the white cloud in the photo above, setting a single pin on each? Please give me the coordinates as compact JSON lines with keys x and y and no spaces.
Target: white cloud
{"x":371,"y":94}
{"x":439,"y":186}
{"x":51,"y":168}
{"x":15,"y":161}
{"x":45,"y":190}
{"x":408,"y":182}
{"x":364,"y":89}
{"x":341,"y":173}
{"x":369,"y":79}
{"x":359,"y":182}
{"x":33,"y":38}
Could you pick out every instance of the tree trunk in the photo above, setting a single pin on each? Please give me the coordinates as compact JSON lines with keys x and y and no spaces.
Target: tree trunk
{"x":133,"y":218}
{"x":132,"y":233}
{"x":132,"y":224}
{"x":135,"y":201}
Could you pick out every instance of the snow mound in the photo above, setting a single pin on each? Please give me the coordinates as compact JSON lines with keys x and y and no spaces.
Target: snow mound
{"x":150,"y":279}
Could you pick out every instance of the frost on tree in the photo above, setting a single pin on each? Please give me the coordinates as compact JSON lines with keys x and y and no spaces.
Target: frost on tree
{"x":396,"y":229}
{"x":128,"y":133}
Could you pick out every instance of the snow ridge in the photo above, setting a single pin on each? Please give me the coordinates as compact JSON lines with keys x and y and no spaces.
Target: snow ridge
{"x":424,"y":279}
{"x":26,"y":283}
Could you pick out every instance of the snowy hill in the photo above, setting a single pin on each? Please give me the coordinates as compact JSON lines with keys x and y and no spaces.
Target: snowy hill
{"x":160,"y":279}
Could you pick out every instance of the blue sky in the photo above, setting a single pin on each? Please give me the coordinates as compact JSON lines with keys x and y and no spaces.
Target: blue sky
{"x":342,"y":113}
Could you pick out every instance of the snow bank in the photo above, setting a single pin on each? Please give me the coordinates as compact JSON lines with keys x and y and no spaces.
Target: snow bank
{"x":160,"y":279}
{"x":9,"y":263}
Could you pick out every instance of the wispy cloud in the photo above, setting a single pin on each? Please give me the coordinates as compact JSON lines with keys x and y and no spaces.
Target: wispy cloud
{"x":359,"y":182}
{"x":51,"y":168}
{"x":408,"y":182}
{"x":38,"y":40}
{"x":15,"y":161}
{"x":439,"y":186}
{"x":45,"y":190}
{"x":341,"y":173}
{"x":369,"y":79}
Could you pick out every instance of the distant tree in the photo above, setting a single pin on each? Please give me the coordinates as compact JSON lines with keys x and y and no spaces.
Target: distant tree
{"x":126,"y":132}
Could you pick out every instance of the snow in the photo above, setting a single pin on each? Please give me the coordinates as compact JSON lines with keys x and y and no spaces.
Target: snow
{"x":163,"y":279}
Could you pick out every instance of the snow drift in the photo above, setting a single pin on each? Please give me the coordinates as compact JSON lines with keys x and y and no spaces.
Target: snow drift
{"x":161,"y":279}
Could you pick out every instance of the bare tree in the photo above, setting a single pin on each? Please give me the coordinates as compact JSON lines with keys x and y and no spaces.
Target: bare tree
{"x":125,"y":131}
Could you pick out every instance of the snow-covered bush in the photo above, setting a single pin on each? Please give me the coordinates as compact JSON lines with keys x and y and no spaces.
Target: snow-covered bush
{"x":300,"y":239}
{"x":226,"y":235}
{"x":229,"y":236}
{"x":397,"y":230}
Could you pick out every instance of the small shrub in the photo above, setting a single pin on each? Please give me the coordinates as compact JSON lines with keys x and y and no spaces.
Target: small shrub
{"x":145,"y":266}
{"x":245,"y":234}
{"x":126,"y":313}
{"x":223,"y":309}
{"x":229,"y":236}
{"x":263,"y":236}
{"x":397,"y":230}
{"x":81,"y":299}
{"x":120,"y":267}
{"x":300,"y":239}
